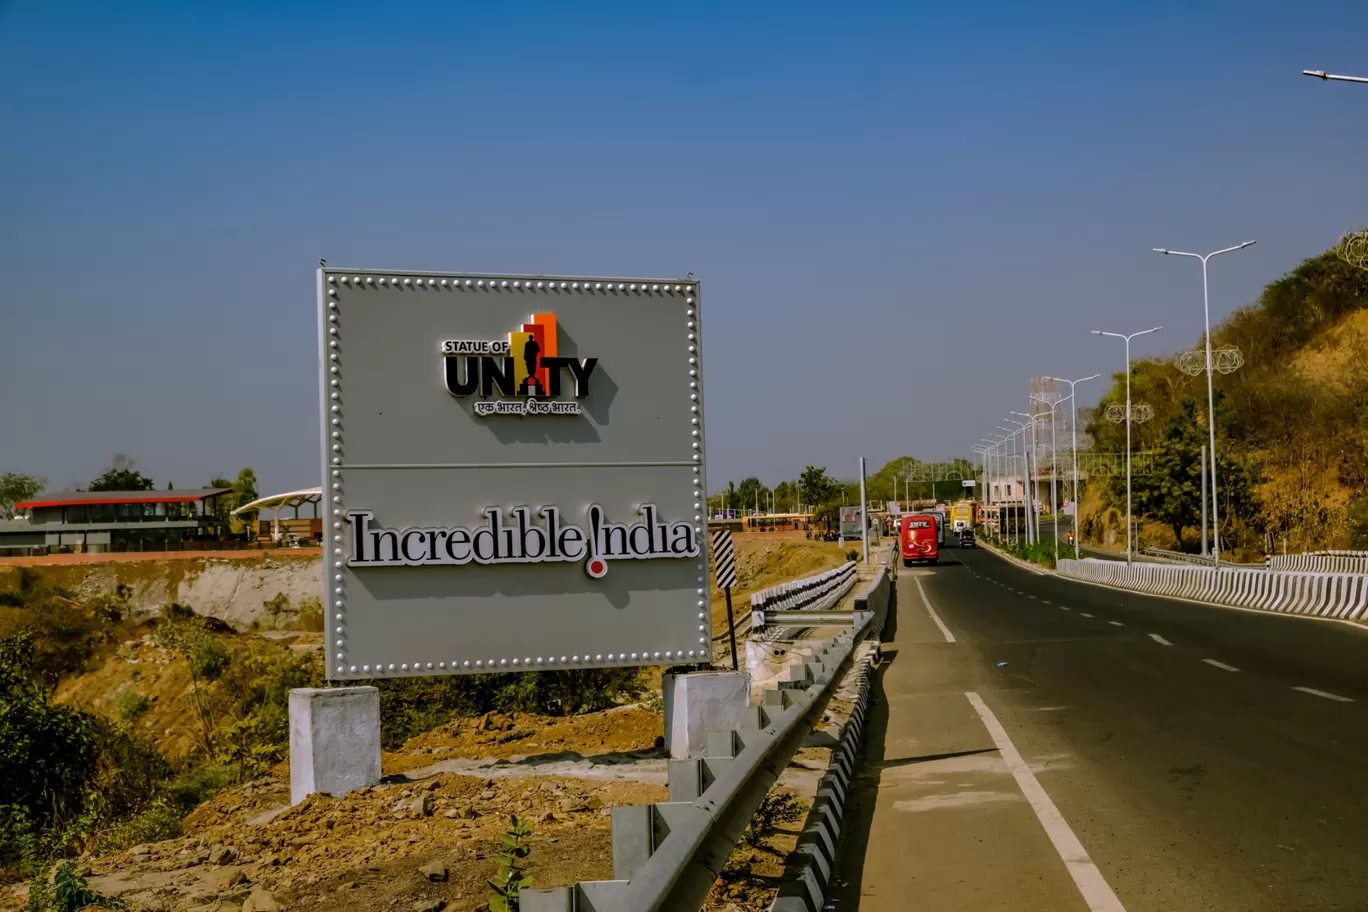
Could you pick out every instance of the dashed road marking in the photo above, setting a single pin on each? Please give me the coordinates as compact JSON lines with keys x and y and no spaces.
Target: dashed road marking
{"x":945,"y":631}
{"x":1116,"y":623}
{"x":1091,"y":884}
{"x":1046,"y":602}
{"x":1328,"y":696}
{"x":1085,"y":614}
{"x":1160,"y":640}
{"x":1221,"y":665}
{"x":1064,"y":608}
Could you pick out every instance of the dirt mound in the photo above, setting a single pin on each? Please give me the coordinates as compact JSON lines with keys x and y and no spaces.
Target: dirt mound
{"x":493,"y":736}
{"x":363,"y":851}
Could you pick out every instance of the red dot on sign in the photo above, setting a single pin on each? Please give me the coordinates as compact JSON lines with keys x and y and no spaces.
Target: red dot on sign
{"x":596,"y":566}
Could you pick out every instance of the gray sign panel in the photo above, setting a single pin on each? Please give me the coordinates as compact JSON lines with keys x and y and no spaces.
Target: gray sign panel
{"x":514,"y":474}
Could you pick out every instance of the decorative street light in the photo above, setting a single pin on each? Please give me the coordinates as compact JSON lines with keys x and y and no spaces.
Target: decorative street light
{"x":1078,"y":533}
{"x":1129,"y":416}
{"x":1025,"y":473}
{"x":1211,"y":396}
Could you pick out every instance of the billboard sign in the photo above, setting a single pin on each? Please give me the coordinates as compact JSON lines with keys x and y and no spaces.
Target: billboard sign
{"x":851,"y":523}
{"x":514,"y":472}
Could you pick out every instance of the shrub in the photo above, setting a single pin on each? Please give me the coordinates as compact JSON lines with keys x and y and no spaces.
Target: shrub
{"x":68,"y":892}
{"x":511,"y":878}
{"x":197,"y":784}
{"x":852,"y":555}
{"x":209,"y":659}
{"x":47,"y":752}
{"x":130,"y":705}
{"x":161,"y":820}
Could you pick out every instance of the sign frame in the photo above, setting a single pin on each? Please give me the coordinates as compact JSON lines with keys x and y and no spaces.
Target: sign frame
{"x":463,"y":502}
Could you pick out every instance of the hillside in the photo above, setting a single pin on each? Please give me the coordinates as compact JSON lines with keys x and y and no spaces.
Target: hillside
{"x":1292,"y":420}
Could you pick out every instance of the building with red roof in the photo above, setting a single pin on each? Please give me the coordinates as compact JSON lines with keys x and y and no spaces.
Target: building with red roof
{"x":113,"y":521}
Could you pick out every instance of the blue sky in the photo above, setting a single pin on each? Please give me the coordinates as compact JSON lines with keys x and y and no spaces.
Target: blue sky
{"x":899,"y":212}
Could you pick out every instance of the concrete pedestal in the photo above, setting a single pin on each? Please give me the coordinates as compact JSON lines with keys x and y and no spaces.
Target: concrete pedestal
{"x":698,"y":703}
{"x":334,"y":740}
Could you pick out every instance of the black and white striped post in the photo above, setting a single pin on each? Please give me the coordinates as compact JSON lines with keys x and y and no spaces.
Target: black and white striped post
{"x":724,"y":567}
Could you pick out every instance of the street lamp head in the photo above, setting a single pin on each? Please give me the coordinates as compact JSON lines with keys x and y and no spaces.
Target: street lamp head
{"x":1163,"y":250}
{"x":1247,"y":244}
{"x":1097,"y":332}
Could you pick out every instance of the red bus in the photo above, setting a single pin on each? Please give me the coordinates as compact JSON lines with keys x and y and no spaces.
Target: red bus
{"x":919,"y":538}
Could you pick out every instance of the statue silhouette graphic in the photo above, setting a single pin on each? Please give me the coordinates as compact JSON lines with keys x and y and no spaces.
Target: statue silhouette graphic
{"x":530,"y":352}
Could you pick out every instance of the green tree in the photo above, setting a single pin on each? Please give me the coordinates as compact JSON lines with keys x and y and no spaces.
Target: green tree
{"x":122,"y":475}
{"x":245,"y":488}
{"x":815,"y":486}
{"x":1172,"y":491}
{"x":16,"y":487}
{"x":752,"y":493}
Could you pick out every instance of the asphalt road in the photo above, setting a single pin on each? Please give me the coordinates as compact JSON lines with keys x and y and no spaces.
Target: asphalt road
{"x":1201,"y":758}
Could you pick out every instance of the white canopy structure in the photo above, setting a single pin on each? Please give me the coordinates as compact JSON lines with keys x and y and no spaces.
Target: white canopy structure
{"x":277,"y":502}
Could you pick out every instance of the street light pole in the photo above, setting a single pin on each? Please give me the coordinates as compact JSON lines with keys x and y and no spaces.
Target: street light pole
{"x":1143,"y":332}
{"x":1211,"y":396}
{"x":1325,"y":77}
{"x":1054,"y":470}
{"x":1025,"y":470}
{"x":1078,"y":533}
{"x":1032,"y":469}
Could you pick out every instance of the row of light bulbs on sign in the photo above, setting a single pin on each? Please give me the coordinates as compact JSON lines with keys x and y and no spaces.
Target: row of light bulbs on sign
{"x":519,"y":284}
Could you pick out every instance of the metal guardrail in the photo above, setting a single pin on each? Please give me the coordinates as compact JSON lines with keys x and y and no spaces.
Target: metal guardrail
{"x":819,"y":593}
{"x":1186,"y":558}
{"x":667,"y":856}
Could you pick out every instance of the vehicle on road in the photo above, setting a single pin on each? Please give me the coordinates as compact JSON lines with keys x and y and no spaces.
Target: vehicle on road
{"x":966,"y":539}
{"x":962,"y":515}
{"x":919,"y":539}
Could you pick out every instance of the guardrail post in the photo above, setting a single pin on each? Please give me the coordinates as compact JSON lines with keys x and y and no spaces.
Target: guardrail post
{"x":633,"y":839}
{"x":561,"y":899}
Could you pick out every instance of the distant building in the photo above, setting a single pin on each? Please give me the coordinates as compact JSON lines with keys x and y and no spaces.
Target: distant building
{"x":113,"y":521}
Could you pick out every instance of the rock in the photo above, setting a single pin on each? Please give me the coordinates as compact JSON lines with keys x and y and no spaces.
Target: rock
{"x":594,"y":802}
{"x":262,"y":901}
{"x":434,"y":871}
{"x":422,"y":806}
{"x":452,"y":814}
{"x":431,"y":785}
{"x":429,"y":905}
{"x":548,"y":817}
{"x":467,"y":812}
{"x":572,"y":805}
{"x":222,"y":855}
{"x":233,"y":879}
{"x":487,"y":795}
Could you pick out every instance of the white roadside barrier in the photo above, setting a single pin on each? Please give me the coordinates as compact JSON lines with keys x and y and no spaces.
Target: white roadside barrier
{"x":1321,"y":562}
{"x":1310,"y":593}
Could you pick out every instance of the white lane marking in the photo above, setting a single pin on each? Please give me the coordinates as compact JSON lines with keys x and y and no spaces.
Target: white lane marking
{"x":1160,"y":640}
{"x":1221,"y":665}
{"x":945,"y":631}
{"x":1320,"y":693}
{"x":1116,"y":623}
{"x":1046,"y":602}
{"x":1089,"y":880}
{"x":1063,"y":607}
{"x":1085,"y":614}
{"x":1033,"y":598}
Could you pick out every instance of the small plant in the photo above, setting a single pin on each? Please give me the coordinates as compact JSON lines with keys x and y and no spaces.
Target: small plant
{"x":130,"y":705}
{"x":774,"y":809}
{"x":208,"y":658}
{"x":68,"y":892}
{"x":852,"y":555}
{"x":512,"y":877}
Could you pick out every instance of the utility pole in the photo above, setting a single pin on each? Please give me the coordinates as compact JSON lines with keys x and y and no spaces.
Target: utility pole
{"x":864,"y":513}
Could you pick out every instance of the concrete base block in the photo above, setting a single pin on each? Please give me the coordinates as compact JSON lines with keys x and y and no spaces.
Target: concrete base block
{"x":334,"y":740}
{"x":698,"y":703}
